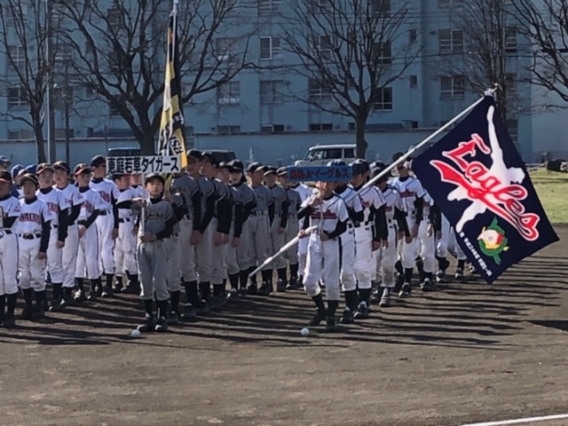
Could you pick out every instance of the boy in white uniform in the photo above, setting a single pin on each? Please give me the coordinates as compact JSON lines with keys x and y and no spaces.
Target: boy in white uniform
{"x":125,"y":244}
{"x":33,"y":231}
{"x":9,"y":211}
{"x":328,"y":213}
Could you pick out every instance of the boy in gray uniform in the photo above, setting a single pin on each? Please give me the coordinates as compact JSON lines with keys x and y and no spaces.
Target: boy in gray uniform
{"x":159,"y":220}
{"x":292,"y":227}
{"x":247,"y":203}
{"x":173,"y":256}
{"x":259,"y":229}
{"x":278,"y":221}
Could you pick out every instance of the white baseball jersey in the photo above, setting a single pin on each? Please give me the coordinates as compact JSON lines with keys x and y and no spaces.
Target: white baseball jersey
{"x":92,"y":201}
{"x":32,"y":216}
{"x":409,"y":189}
{"x":304,"y":191}
{"x":10,"y":208}
{"x":329,"y":213}
{"x":125,"y":195}
{"x":427,"y":203}
{"x":72,"y":195}
{"x":107,"y":190}
{"x":139,"y":191}
{"x":351,"y":200}
{"x":371,"y":199}
{"x":56,"y":202}
{"x":392,"y":201}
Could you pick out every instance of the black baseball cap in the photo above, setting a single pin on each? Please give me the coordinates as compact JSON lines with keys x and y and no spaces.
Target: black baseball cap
{"x":269,"y":170}
{"x":6,"y":176}
{"x":359,"y":167}
{"x":152,"y":176}
{"x":81,"y":169}
{"x":209,"y":156}
{"x":116,"y":176}
{"x":253,"y":167}
{"x":281,"y":171}
{"x":194,"y":153}
{"x":30,"y":178}
{"x":62,"y":165}
{"x":225,"y":165}
{"x":98,"y":161}
{"x":44,"y":167}
{"x":237,"y":164}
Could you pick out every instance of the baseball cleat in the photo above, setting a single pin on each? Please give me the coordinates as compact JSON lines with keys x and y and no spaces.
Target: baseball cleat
{"x":385,"y":299}
{"x":252,"y":290}
{"x":216,"y":303}
{"x":189,"y":313}
{"x":281,"y":286}
{"x":347,"y":317}
{"x":362,"y":311}
{"x":79,"y":296}
{"x":233,"y":296}
{"x":26,"y":313}
{"x":265,"y":289}
{"x":330,"y":325}
{"x":405,"y":291}
{"x":9,"y":321}
{"x":92,"y":296}
{"x":173,"y":318}
{"x":38,"y":313}
{"x":107,"y":292}
{"x":161,"y":325}
{"x":317,"y":318}
{"x":426,"y":285}
{"x":149,"y":325}
{"x":293,"y":284}
{"x":55,"y":306}
{"x":203,"y":307}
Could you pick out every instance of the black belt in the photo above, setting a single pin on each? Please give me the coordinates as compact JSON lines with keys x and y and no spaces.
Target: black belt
{"x":360,"y":224}
{"x":7,"y":232}
{"x":103,"y":213}
{"x":124,"y":220}
{"x":29,"y":236}
{"x":82,"y":222}
{"x":54,"y":226}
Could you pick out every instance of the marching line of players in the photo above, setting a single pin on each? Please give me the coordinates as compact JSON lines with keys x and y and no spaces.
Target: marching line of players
{"x":211,"y":226}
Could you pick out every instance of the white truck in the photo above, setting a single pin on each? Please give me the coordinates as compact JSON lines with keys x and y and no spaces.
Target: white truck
{"x":320,"y":155}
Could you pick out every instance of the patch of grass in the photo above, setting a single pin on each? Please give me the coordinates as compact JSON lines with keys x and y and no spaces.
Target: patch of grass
{"x":552,"y":189}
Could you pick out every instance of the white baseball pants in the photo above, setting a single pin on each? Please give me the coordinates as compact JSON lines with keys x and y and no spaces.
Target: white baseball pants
{"x":173,"y":259}
{"x":408,"y":251}
{"x":386,"y":258}
{"x":69,"y":256}
{"x":454,"y":247}
{"x":218,"y":262}
{"x":231,"y":255}
{"x":277,"y":241}
{"x":87,"y":265}
{"x":55,"y":258}
{"x":260,"y":241}
{"x":323,"y":263}
{"x":302,"y":251}
{"x":152,"y":263}
{"x":364,"y":267}
{"x":244,"y":247}
{"x":427,"y":248}
{"x":8,"y":264}
{"x":292,"y":230}
{"x":348,"y":252}
{"x":125,"y":249}
{"x":31,"y":270}
{"x":444,"y":241}
{"x":187,"y":251}
{"x":204,"y":252}
{"x":105,"y":224}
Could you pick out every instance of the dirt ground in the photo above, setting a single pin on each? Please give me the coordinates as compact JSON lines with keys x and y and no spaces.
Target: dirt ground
{"x":468,"y":353}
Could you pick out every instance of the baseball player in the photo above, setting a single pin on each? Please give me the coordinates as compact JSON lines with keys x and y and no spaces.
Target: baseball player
{"x":246,"y":204}
{"x":33,"y":231}
{"x":157,"y":226}
{"x":292,"y":226}
{"x":329,"y":213}
{"x":107,"y":220}
{"x":259,"y":228}
{"x":133,"y":285}
{"x":125,"y":243}
{"x":87,"y":264}
{"x":221,"y":224}
{"x":9,"y":213}
{"x":370,"y":234}
{"x":305,"y":193}
{"x":278,"y":221}
{"x":190,"y":234}
{"x":14,"y":192}
{"x":355,"y":210}
{"x":397,"y":229}
{"x":59,"y":209}
{"x":206,"y":232}
{"x":412,"y":194}
{"x":74,"y":199}
{"x":429,"y":230}
{"x":445,"y":244}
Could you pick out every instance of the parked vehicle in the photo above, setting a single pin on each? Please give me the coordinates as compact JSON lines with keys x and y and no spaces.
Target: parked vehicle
{"x":320,"y":155}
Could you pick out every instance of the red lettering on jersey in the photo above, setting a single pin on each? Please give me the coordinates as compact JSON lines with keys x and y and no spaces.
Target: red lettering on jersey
{"x":53,"y":207}
{"x":328,"y":214}
{"x":407,"y":193}
{"x":105,"y":196}
{"x":88,"y":206}
{"x":30,"y":217}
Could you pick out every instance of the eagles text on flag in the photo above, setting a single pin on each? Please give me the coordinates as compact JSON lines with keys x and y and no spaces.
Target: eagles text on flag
{"x":478,"y":179}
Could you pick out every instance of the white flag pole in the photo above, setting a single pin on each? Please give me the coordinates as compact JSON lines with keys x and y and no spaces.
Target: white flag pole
{"x":403,"y":158}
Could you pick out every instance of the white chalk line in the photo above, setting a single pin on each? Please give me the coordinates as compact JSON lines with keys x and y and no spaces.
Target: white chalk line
{"x":521,"y":421}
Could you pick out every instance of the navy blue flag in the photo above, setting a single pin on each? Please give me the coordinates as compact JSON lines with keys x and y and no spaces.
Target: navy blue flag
{"x":478,"y":179}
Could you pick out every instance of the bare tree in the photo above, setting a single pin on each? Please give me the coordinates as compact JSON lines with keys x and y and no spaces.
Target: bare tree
{"x":545,"y":24}
{"x":23,"y":37}
{"x":350,"y":52}
{"x":480,"y":50}
{"x":120,"y":48}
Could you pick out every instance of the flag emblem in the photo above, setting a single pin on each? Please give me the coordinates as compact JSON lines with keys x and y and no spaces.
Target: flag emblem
{"x":492,"y":241}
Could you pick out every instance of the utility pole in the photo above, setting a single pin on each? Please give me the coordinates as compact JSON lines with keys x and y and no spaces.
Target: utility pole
{"x":51,"y":137}
{"x":68,"y":100}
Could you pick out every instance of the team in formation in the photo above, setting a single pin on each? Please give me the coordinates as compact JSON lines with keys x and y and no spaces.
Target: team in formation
{"x":212,"y":224}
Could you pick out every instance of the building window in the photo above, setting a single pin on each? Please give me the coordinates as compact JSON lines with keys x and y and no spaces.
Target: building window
{"x":384,"y":100}
{"x":321,"y":46}
{"x":317,"y":92}
{"x":268,"y":7}
{"x":228,"y":130}
{"x":511,"y":84}
{"x":114,"y":18}
{"x":272,"y":128}
{"x":413,"y":81}
{"x":225,"y":48}
{"x":513,"y":128}
{"x":63,"y":96}
{"x":62,"y":133}
{"x":16,"y":97}
{"x":382,"y":53}
{"x":270,"y":48}
{"x":511,"y":40}
{"x":229,"y":93}
{"x":381,"y":7}
{"x":114,"y":110}
{"x":412,"y":35}
{"x":17,"y":54}
{"x":271,"y":92}
{"x":20,"y":134}
{"x":452,"y":87}
{"x":63,"y":53}
{"x":321,"y":127}
{"x":445,"y":4}
{"x":451,"y":41}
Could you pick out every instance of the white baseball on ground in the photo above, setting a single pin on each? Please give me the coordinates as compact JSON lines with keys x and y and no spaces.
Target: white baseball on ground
{"x":135,"y":334}
{"x":305,"y":331}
